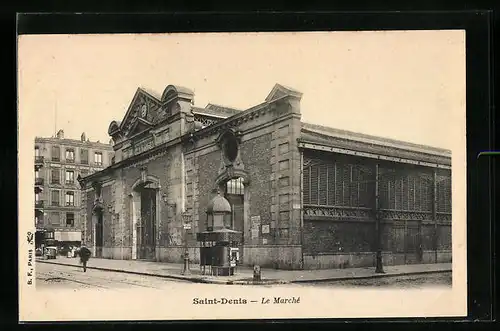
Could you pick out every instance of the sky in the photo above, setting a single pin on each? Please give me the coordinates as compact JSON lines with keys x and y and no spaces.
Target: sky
{"x":405,"y":85}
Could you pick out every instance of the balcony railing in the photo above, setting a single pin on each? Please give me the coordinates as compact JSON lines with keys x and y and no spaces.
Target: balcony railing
{"x":38,"y":181}
{"x":39,"y":204}
{"x":98,"y":164}
{"x":70,"y":204}
{"x":56,"y":158}
{"x":55,"y":181}
{"x":70,"y":160}
{"x":38,"y":159}
{"x":82,"y":161}
{"x":55,"y":203}
{"x":70,"y":182}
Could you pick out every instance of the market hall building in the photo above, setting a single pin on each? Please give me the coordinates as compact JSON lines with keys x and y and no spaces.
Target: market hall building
{"x":303,"y":196}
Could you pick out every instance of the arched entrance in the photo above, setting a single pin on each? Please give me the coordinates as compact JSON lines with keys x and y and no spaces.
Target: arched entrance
{"x":97,"y":221}
{"x":237,"y":193}
{"x":145,"y":215}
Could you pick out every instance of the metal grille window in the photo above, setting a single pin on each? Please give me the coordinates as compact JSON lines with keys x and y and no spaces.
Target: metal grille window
{"x":314,"y":184}
{"x":444,"y":193}
{"x":307,"y":185}
{"x":323,"y":187}
{"x":235,"y":186}
{"x":405,"y":191}
{"x":336,"y":183}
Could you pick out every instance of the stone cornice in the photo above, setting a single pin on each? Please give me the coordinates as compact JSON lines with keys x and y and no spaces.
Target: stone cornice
{"x":235,"y":120}
{"x":378,"y":155}
{"x":132,"y":160}
{"x":358,"y":146}
{"x":74,"y":143}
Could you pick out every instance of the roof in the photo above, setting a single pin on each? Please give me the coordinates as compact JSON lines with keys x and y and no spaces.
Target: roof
{"x":151,"y":93}
{"x":280,"y":90}
{"x":73,"y":142}
{"x":216,"y":111}
{"x":367,"y":143}
{"x":218,"y":204}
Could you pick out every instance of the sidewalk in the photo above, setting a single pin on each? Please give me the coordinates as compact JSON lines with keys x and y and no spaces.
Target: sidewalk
{"x":244,"y":274}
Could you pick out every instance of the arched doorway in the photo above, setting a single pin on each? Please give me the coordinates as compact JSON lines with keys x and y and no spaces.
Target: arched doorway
{"x":235,"y":194}
{"x":145,"y":195}
{"x":97,"y":216}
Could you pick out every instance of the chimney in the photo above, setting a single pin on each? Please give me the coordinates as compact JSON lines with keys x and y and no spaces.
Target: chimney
{"x":60,"y":134}
{"x":83,"y":137}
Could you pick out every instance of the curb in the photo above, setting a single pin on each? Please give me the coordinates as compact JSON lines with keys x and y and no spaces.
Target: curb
{"x":370,"y":276}
{"x":193,"y":280}
{"x":251,"y":282}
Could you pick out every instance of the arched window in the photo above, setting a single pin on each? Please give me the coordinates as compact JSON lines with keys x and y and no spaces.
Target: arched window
{"x":235,"y":186}
{"x":235,"y":189}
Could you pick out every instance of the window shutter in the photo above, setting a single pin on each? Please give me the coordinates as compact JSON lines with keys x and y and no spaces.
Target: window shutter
{"x":331,"y":184}
{"x":307,"y":185}
{"x":314,"y":184}
{"x":323,"y":182}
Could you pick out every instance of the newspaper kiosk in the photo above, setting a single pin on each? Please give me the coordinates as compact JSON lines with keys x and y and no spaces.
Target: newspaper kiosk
{"x":219,"y":244}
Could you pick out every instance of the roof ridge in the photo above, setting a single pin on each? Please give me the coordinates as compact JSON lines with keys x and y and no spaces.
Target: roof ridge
{"x":377,"y":139}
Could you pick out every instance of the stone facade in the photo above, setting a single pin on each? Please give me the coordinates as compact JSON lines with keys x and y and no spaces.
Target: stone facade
{"x":170,"y":155}
{"x":58,"y":163}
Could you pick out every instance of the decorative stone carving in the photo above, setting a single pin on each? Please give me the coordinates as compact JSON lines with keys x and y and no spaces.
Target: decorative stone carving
{"x":405,"y":215}
{"x":205,"y":120}
{"x":443,"y":217}
{"x":337,"y":212}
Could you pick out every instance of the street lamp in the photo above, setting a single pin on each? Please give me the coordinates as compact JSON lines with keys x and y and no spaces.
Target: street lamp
{"x":186,"y":220}
{"x":379,"y":269}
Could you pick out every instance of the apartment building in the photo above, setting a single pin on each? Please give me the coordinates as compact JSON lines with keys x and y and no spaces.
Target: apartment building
{"x":58,"y":162}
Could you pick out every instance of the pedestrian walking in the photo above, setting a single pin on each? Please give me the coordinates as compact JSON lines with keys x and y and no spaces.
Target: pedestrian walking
{"x":84,"y":253}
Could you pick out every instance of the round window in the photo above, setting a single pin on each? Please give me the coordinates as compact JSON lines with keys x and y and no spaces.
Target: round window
{"x":231,"y":148}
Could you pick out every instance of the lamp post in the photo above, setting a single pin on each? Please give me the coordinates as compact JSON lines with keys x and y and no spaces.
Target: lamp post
{"x":187,"y":226}
{"x":379,"y":269}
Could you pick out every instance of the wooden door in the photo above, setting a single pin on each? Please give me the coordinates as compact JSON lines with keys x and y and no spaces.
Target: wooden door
{"x":413,"y":241}
{"x":146,"y":231}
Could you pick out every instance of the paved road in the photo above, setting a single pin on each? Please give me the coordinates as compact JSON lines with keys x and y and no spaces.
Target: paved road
{"x":413,"y":281}
{"x":51,"y":276}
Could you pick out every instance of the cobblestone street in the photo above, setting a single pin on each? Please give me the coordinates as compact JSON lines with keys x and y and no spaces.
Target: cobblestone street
{"x":407,"y":282}
{"x":51,"y":276}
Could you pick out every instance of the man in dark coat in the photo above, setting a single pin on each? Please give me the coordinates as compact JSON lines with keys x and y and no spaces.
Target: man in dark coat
{"x":84,"y":253}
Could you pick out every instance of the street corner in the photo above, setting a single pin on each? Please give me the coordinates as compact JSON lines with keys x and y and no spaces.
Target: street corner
{"x":258,"y":282}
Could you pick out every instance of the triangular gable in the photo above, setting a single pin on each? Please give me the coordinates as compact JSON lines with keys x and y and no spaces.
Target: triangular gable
{"x":139,"y":125}
{"x":279,"y":91}
{"x":134,"y":112}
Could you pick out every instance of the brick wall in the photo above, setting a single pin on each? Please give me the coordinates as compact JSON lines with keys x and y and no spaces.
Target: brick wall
{"x":347,"y":236}
{"x":90,"y":195}
{"x":205,"y":169}
{"x":256,"y":156}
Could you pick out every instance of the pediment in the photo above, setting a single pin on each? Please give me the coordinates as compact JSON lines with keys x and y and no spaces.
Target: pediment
{"x":141,"y":114}
{"x":139,"y":125}
{"x":279,"y":91}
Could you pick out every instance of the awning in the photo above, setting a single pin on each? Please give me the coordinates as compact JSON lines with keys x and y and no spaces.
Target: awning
{"x":68,"y":236}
